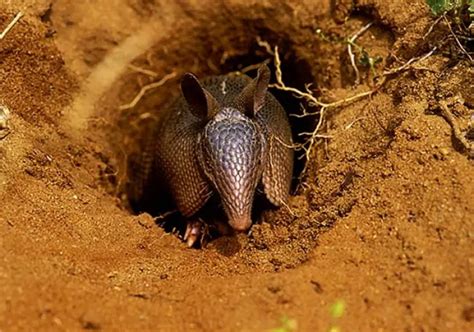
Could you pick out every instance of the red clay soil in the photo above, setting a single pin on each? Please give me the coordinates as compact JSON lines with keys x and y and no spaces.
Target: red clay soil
{"x":382,"y":222}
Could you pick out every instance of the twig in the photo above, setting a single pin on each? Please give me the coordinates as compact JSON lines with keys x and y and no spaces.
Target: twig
{"x":281,"y":86}
{"x":265,"y":45}
{"x":143,"y":70}
{"x":308,"y":133}
{"x":309,"y":144}
{"x":407,"y":64}
{"x":293,"y":146}
{"x":449,"y":117}
{"x":4,"y":133}
{"x":10,"y":26}
{"x":164,"y":215}
{"x":254,"y":66}
{"x":312,"y":100}
{"x":457,"y":40}
{"x":432,"y":27}
{"x":347,"y":127}
{"x":146,"y":88}
{"x":290,"y":210}
{"x":250,"y":67}
{"x":351,"y":43}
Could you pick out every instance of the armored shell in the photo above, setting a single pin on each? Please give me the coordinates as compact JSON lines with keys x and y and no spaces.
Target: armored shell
{"x":223,"y":136}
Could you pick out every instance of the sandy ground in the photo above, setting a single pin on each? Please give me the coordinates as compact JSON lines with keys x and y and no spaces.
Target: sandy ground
{"x":383,"y":221}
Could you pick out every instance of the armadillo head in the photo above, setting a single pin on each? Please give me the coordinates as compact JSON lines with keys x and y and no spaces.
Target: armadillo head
{"x":232,"y":145}
{"x":232,"y":153}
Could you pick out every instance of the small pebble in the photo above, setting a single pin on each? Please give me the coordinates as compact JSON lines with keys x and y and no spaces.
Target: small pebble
{"x":4,"y":117}
{"x":444,"y":151}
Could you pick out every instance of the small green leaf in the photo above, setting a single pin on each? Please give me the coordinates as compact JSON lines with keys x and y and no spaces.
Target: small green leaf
{"x":364,"y":58}
{"x":439,"y":7}
{"x":287,"y":325}
{"x":338,"y":308}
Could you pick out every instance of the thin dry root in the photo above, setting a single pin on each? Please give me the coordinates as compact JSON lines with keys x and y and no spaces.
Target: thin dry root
{"x":290,"y":210}
{"x":265,"y":45}
{"x":145,"y":89}
{"x":409,"y":64}
{"x":457,"y":39}
{"x":253,"y":67}
{"x":350,"y":43}
{"x":315,"y":136}
{"x":11,"y":25}
{"x":310,"y":98}
{"x":430,"y":29}
{"x":353,"y":122}
{"x":142,"y":70}
{"x":449,"y":117}
{"x":165,"y":215}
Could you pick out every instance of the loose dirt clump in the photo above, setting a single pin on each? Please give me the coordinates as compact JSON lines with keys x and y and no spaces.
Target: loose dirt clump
{"x":380,"y":221}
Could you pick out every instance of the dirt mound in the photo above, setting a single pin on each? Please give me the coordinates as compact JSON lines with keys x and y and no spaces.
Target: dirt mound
{"x":382,"y":218}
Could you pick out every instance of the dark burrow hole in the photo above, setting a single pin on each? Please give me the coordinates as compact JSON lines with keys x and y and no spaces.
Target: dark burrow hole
{"x":296,"y":73}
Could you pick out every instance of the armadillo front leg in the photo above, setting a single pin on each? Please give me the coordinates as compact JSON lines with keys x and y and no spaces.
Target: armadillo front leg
{"x":200,"y":233}
{"x":196,"y":232}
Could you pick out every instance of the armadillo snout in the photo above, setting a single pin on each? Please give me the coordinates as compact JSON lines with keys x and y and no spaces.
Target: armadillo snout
{"x":240,"y":223}
{"x":233,"y":150}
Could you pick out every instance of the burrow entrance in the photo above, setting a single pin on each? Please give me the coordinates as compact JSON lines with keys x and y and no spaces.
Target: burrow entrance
{"x":212,"y":56}
{"x":231,"y":44}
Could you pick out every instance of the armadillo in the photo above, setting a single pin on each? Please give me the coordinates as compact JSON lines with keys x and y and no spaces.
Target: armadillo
{"x":225,"y":135}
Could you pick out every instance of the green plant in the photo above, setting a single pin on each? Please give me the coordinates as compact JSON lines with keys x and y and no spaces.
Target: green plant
{"x":439,"y":7}
{"x":364,"y":59}
{"x":369,"y":61}
{"x":336,"y":310}
{"x":458,"y":16}
{"x":287,"y":325}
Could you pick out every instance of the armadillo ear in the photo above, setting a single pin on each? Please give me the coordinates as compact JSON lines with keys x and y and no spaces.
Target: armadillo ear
{"x":261,"y":86}
{"x":252,"y":97}
{"x":202,"y":103}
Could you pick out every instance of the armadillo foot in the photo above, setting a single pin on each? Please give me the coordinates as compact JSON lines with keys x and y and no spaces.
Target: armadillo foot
{"x":196,"y":233}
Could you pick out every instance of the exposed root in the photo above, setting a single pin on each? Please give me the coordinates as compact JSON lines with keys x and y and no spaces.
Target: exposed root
{"x":143,"y":70}
{"x":264,"y":44}
{"x":253,"y":67}
{"x":145,"y":89}
{"x":308,"y":95}
{"x":457,"y":39}
{"x":406,"y":65}
{"x":164,"y":215}
{"x":353,"y":122}
{"x":314,"y":136}
{"x":290,"y":210}
{"x":430,"y":29}
{"x":11,"y":25}
{"x":350,"y":44}
{"x":309,"y":143}
{"x":449,"y":117}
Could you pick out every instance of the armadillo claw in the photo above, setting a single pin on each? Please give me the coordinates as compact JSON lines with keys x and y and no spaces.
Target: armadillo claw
{"x":196,"y":233}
